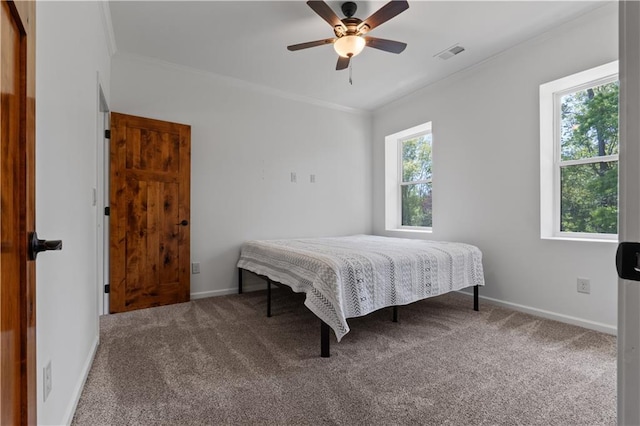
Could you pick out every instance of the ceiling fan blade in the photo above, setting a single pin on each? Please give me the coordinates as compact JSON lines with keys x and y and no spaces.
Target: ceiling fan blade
{"x":326,"y":13}
{"x":309,"y":44}
{"x":386,"y":12}
{"x":343,"y":63}
{"x":386,"y":45}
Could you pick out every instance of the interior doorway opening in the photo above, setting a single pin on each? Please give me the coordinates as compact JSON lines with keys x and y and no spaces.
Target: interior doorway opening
{"x":101,"y":201}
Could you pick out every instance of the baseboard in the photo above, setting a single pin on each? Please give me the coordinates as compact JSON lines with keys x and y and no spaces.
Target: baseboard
{"x":591,"y":325}
{"x":77,"y":392}
{"x":223,"y":292}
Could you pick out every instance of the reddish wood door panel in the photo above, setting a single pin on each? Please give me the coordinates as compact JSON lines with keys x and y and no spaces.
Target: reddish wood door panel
{"x":17,"y":214}
{"x":150,"y":196}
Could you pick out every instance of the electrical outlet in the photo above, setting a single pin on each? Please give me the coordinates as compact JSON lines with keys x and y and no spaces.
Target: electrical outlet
{"x":312,"y":178}
{"x":294,"y":177}
{"x":195,"y":268}
{"x":47,"y":383}
{"x":584,"y":285}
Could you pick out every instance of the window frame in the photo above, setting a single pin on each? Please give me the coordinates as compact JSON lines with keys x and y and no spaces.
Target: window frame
{"x":551,"y":162}
{"x":394,"y":179}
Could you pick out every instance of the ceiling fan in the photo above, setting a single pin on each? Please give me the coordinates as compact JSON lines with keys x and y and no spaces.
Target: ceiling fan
{"x":350,"y":32}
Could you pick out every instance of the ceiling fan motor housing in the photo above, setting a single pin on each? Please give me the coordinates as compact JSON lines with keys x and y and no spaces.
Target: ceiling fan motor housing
{"x":349,"y":9}
{"x":352,"y":27}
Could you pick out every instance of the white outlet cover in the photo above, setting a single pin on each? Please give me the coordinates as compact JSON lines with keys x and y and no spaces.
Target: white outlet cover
{"x":584,"y":285}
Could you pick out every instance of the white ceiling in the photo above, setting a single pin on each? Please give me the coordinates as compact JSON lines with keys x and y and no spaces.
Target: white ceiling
{"x":247,"y":40}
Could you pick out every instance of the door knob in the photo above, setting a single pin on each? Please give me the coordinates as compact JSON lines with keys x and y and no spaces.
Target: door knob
{"x":36,"y":245}
{"x":184,"y":222}
{"x":628,"y":261}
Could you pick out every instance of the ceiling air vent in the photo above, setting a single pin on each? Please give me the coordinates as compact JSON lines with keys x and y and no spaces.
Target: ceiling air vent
{"x":450,"y":52}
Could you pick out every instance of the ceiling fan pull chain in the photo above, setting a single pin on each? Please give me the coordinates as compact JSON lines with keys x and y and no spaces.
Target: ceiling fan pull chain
{"x":350,"y":69}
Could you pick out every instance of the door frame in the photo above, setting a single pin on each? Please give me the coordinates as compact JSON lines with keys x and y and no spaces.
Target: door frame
{"x":628,"y":389}
{"x":101,"y":199}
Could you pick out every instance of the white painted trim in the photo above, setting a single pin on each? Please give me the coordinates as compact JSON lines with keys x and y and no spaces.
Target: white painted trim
{"x":98,"y":200}
{"x":590,"y":160}
{"x":226,"y":291}
{"x":423,"y":229}
{"x":629,"y":211}
{"x":575,"y":81}
{"x":236,"y":82}
{"x":77,"y":392}
{"x":591,"y":325}
{"x":391,"y":193}
{"x":550,"y":162}
{"x":393,"y":176}
{"x":102,"y":180}
{"x":107,"y":26}
{"x":591,"y":238}
{"x":401,"y":95}
{"x":404,"y":231}
{"x":105,"y":219}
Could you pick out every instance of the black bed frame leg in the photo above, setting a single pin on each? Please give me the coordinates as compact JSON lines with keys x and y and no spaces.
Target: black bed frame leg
{"x":268,"y":298}
{"x":239,"y":280}
{"x":324,"y":339}
{"x":395,"y":314}
{"x":475,"y":298}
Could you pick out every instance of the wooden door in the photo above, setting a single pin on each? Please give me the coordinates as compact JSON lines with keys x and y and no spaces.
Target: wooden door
{"x":149,"y":218}
{"x":17,"y":213}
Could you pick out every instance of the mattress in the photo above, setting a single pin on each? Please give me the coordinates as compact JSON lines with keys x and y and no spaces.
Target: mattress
{"x":347,"y":277}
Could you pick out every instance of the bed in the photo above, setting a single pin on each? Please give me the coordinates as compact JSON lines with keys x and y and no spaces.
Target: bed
{"x":348,"y":277}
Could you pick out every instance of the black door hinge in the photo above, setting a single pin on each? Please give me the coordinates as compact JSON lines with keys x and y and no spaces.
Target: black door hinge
{"x":107,"y":211}
{"x":107,"y":288}
{"x":107,"y":134}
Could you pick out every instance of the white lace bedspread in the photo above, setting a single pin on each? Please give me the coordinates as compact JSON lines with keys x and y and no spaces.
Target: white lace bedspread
{"x":346,"y":277}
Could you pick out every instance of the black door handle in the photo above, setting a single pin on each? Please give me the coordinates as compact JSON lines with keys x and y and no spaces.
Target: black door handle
{"x":36,"y":245}
{"x":184,"y":222}
{"x":628,"y":261}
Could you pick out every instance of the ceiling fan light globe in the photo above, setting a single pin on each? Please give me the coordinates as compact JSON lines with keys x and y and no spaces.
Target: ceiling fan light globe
{"x":349,"y":46}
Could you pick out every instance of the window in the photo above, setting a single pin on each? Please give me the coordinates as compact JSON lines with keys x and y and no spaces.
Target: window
{"x":579,"y":155}
{"x":408,"y":179}
{"x":416,"y":200}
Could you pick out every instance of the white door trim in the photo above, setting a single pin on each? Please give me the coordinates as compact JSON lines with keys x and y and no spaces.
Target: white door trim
{"x":629,"y":211}
{"x":102,"y":178}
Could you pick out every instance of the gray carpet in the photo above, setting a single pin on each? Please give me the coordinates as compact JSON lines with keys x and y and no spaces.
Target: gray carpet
{"x":221,"y":361}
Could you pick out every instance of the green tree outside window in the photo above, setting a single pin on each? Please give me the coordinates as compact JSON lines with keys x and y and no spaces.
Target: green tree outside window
{"x":416,"y":187}
{"x":588,"y":154}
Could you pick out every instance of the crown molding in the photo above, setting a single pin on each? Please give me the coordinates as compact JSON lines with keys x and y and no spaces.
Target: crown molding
{"x":236,"y":82}
{"x":422,"y":85}
{"x":107,"y":26}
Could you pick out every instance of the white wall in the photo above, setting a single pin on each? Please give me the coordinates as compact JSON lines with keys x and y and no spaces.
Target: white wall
{"x":486,"y":171}
{"x":70,"y":49}
{"x":245,"y":142}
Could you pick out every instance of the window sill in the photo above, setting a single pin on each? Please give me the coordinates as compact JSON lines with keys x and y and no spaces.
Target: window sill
{"x":411,"y":230}
{"x":582,"y":239}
